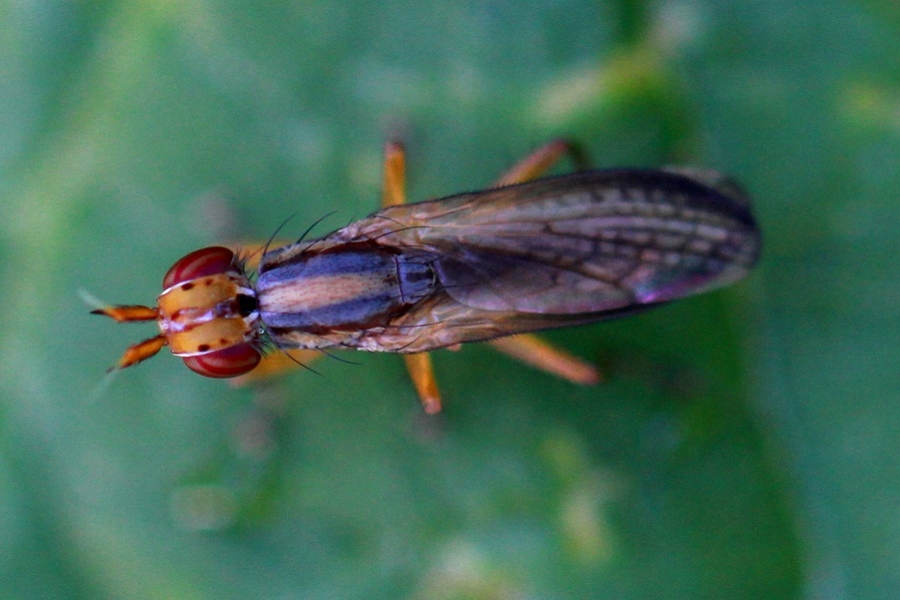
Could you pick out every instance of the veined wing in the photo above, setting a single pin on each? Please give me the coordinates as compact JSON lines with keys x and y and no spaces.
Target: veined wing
{"x":581,"y":243}
{"x":554,"y":252}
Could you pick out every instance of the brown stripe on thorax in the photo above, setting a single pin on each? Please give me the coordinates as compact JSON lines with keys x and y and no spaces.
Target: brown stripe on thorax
{"x":311,"y":293}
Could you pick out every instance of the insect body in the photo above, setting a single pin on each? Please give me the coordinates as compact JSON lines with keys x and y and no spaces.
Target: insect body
{"x":549,"y":253}
{"x":411,"y":278}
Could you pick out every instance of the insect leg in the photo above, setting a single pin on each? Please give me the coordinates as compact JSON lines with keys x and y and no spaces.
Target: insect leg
{"x":538,"y":353}
{"x":394,"y":187}
{"x":529,"y":348}
{"x":542,"y":160}
{"x":274,"y":364}
{"x":419,"y":366}
{"x":421,"y":372}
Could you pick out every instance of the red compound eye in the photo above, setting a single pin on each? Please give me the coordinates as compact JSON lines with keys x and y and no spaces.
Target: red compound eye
{"x":206,"y":261}
{"x":228,"y":362}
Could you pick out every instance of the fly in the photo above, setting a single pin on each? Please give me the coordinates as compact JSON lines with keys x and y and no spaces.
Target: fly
{"x":411,"y":278}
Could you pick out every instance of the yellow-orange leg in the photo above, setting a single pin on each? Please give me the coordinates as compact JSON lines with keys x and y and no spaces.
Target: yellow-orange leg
{"x":527,"y":348}
{"x":541,"y":354}
{"x":419,"y":366}
{"x":540,"y":161}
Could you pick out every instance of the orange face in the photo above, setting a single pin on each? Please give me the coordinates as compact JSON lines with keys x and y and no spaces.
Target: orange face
{"x":202,"y":315}
{"x":207,"y":314}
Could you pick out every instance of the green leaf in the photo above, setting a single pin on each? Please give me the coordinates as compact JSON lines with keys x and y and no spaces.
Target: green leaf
{"x":743,"y":444}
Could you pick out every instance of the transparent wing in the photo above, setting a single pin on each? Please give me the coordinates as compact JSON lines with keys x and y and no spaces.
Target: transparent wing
{"x":580,"y":243}
{"x":562,"y":251}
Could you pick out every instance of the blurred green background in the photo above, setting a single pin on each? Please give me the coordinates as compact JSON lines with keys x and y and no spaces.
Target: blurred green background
{"x":744,"y":445}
